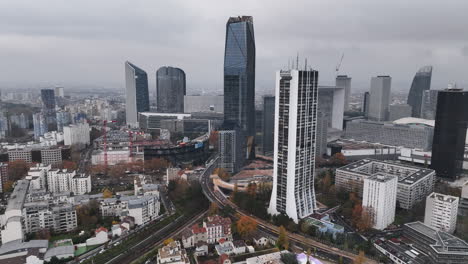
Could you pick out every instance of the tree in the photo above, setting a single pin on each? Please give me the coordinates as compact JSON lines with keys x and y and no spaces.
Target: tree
{"x":213,"y":209}
{"x":69,"y":165}
{"x":283,"y":241}
{"x":289,"y":258}
{"x":360,"y":259}
{"x":8,"y":186}
{"x":367,"y":219}
{"x":43,"y":234}
{"x":246,"y":226}
{"x":338,"y":159}
{"x":356,"y":215}
{"x":168,"y":241}
{"x":106,"y":193}
{"x":17,"y":170}
{"x":155,"y":164}
{"x":252,"y":189}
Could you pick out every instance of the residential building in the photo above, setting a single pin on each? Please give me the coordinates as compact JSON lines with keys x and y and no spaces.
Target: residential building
{"x":230,"y":146}
{"x":172,"y":253}
{"x":441,"y":212}
{"x":268,"y":125}
{"x":398,"y":111}
{"x":203,"y":103}
{"x":113,"y":157}
{"x":404,"y":135}
{"x":295,"y":138}
{"x":414,"y":183}
{"x":170,"y":90}
{"x":379,"y":199}
{"x":379,"y":98}
{"x":463,"y":206}
{"x":239,"y":78}
{"x":142,"y":208}
{"x":343,"y":81}
{"x":194,"y":235}
{"x":59,"y":180}
{"x":40,"y":125}
{"x":137,"y":95}
{"x":448,"y":146}
{"x":421,"y":83}
{"x":441,"y":247}
{"x":3,"y":176}
{"x":429,"y":104}
{"x":331,"y":103}
{"x":51,"y":156}
{"x":323,"y":224}
{"x":63,"y":119}
{"x":11,"y":220}
{"x":77,"y":134}
{"x":20,"y":154}
{"x":41,"y":215}
{"x":38,"y":176}
{"x":217,"y":228}
{"x":81,"y":184}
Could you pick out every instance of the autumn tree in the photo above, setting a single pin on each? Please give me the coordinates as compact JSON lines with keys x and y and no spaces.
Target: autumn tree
{"x":17,"y":169}
{"x":98,"y":169}
{"x":338,"y":159}
{"x":69,"y":165}
{"x":156,"y":164}
{"x":117,"y":170}
{"x":213,"y":209}
{"x":168,"y":241}
{"x":360,"y":259}
{"x":246,"y":226}
{"x":356,"y":214}
{"x":87,"y":214}
{"x":8,"y":186}
{"x":367,"y":219}
{"x":106,"y":193}
{"x":43,"y":234}
{"x":283,"y":241}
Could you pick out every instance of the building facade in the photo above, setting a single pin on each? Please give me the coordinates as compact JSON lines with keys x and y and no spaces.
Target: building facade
{"x":48,"y":107}
{"x":295,"y":138}
{"x":203,"y":103}
{"x":379,"y":199}
{"x":379,"y":98}
{"x":343,"y":81}
{"x":429,"y":104}
{"x":231,"y":155}
{"x":331,"y":103}
{"x":170,"y":90}
{"x":239,"y":78}
{"x":398,"y":111}
{"x":441,"y":212}
{"x":421,"y":83}
{"x":268,"y":125}
{"x":365,"y":103}
{"x":137,"y":95}
{"x":3,"y":176}
{"x":463,"y":206}
{"x":76,"y":134}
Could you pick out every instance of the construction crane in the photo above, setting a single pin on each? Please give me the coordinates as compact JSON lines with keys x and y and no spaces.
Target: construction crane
{"x":337,"y":68}
{"x":104,"y":130}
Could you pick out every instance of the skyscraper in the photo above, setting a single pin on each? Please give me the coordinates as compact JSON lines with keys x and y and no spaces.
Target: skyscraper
{"x":170,"y":90}
{"x":429,"y":104}
{"x":343,"y":81}
{"x":365,"y":103}
{"x":448,"y":145}
{"x":379,"y":199}
{"x":294,"y":154}
{"x":421,"y":83}
{"x":239,"y":77}
{"x":48,"y":108}
{"x":137,"y":97}
{"x":379,"y":98}
{"x":268,"y":124}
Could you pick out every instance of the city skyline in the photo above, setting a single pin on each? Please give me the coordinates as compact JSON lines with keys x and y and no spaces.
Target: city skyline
{"x":397,"y":49}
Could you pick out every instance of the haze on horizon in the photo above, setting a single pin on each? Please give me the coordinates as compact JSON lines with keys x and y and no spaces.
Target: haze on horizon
{"x":87,"y":42}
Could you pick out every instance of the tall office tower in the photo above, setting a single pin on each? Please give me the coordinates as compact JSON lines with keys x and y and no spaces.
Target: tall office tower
{"x":429,"y":104}
{"x":365,"y":103}
{"x":137,"y":97}
{"x":170,"y":90}
{"x":441,"y":212}
{"x":294,"y":154}
{"x":231,"y":157}
{"x":63,"y":119}
{"x":322,"y":132}
{"x":268,"y":124}
{"x":379,"y":98}
{"x":379,"y":199}
{"x":59,"y":92}
{"x":239,"y":78}
{"x":398,"y":111}
{"x":343,"y":81}
{"x":48,"y":108}
{"x":421,"y":83}
{"x":331,"y":103}
{"x":40,"y":125}
{"x":448,"y":145}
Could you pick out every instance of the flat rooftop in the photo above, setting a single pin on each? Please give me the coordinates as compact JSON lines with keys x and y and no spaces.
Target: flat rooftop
{"x":381,"y":177}
{"x":18,"y":196}
{"x":444,"y":197}
{"x":355,"y":145}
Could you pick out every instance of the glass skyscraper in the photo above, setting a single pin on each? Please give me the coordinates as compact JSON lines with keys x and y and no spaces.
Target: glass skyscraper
{"x":170,"y":90}
{"x":137,"y":97}
{"x":48,"y":108}
{"x":239,"y":78}
{"x":421,"y":83}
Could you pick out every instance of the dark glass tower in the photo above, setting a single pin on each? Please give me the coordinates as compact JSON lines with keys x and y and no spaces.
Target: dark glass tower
{"x":239,"y":77}
{"x":449,"y":133}
{"x":268,"y":124}
{"x":421,"y":83}
{"x":137,"y":97}
{"x":170,"y":90}
{"x":48,"y":108}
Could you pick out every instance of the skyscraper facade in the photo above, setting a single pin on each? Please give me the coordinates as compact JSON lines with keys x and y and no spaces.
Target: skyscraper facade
{"x":294,"y":150}
{"x":239,"y":77}
{"x":343,"y":81}
{"x":421,"y":83}
{"x":379,"y":98}
{"x":429,"y":104}
{"x":268,"y":124}
{"x":448,"y":144}
{"x":365,"y":103}
{"x":137,"y":97}
{"x":48,"y":108}
{"x":170,"y":90}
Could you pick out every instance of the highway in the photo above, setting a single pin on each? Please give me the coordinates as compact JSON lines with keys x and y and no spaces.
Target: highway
{"x":301,"y":241}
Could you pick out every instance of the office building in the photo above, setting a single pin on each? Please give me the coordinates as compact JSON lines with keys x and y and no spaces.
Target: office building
{"x":230,"y":146}
{"x":63,"y":119}
{"x":48,"y":107}
{"x":343,"y":81}
{"x":463,"y":206}
{"x":295,"y":138}
{"x":203,"y":103}
{"x":268,"y":125}
{"x":398,"y":111}
{"x":414,"y":183}
{"x":239,"y":78}
{"x":356,"y":150}
{"x":77,"y":134}
{"x":429,"y":104}
{"x":379,"y":98}
{"x":3,"y":176}
{"x":137,"y":95}
{"x":23,"y":154}
{"x":441,"y":212}
{"x":331,"y":103}
{"x":40,"y":125}
{"x":439,"y":246}
{"x":379,"y":199}
{"x":421,"y":83}
{"x":59,"y":92}
{"x":322,"y":132}
{"x":170,"y":90}
{"x":114,"y":156}
{"x":150,"y":121}
{"x":365,"y":103}
{"x":397,"y":134}
{"x":448,"y":146}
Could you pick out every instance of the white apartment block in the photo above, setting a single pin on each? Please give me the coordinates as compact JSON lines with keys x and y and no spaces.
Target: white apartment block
{"x":38,"y":176}
{"x":294,"y":144}
{"x":441,"y":212}
{"x":113,"y":157}
{"x":143,"y":208}
{"x":76,"y":134}
{"x":51,"y":156}
{"x":41,"y":215}
{"x":379,"y":198}
{"x":81,"y":184}
{"x":59,"y":181}
{"x":414,"y":183}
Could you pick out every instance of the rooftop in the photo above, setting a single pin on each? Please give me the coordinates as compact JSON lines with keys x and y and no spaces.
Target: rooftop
{"x":18,"y":246}
{"x":18,"y":196}
{"x":443,"y":242}
{"x":381,"y":177}
{"x":444,"y":197}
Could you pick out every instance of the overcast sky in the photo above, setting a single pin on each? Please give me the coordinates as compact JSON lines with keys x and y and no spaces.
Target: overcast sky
{"x":86,"y":42}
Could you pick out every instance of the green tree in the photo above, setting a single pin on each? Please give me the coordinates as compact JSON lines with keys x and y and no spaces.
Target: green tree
{"x":289,"y":258}
{"x":283,"y":240}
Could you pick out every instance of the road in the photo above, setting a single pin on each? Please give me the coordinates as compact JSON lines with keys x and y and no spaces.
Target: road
{"x":266,"y":227}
